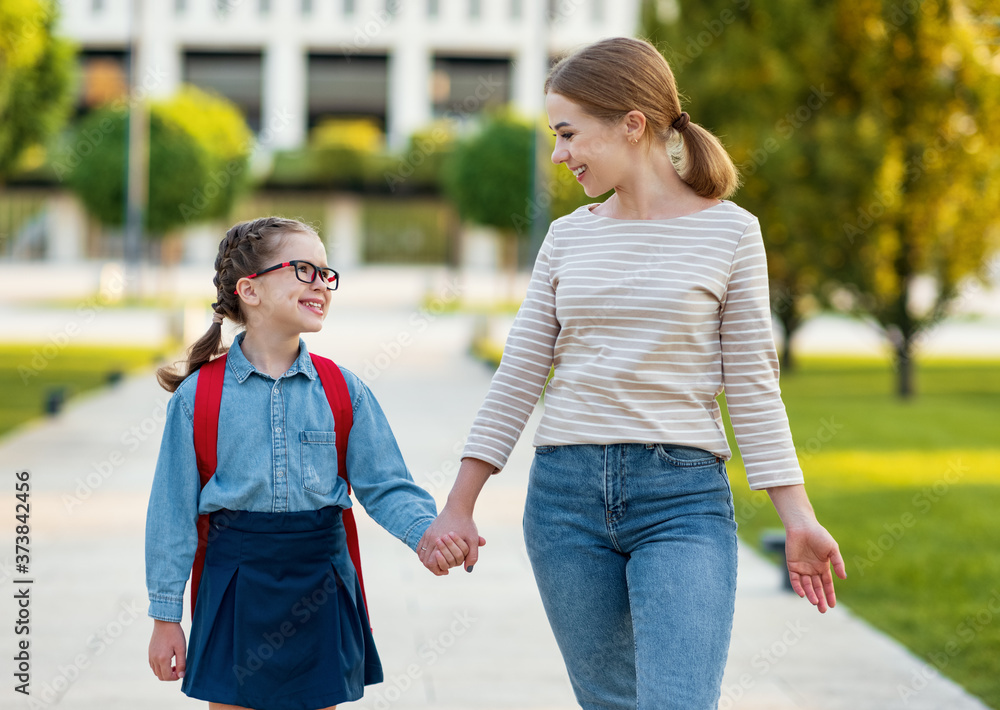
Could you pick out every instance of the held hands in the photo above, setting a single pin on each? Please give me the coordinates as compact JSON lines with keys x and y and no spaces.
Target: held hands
{"x":167,"y":643}
{"x":810,"y":551}
{"x":439,"y":550}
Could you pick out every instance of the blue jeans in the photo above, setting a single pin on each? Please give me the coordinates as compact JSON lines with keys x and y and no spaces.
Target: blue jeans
{"x":633,"y":547}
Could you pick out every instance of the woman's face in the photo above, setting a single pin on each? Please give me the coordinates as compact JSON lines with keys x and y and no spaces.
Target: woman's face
{"x":597,"y":153}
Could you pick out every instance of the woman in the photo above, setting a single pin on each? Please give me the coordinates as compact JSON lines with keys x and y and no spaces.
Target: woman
{"x":648,"y":305}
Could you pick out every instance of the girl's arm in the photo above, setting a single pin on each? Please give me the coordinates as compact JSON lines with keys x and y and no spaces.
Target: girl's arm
{"x":809,"y":549}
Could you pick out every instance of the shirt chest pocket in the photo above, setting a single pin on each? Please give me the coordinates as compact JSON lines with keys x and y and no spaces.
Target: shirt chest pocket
{"x":318,"y":456}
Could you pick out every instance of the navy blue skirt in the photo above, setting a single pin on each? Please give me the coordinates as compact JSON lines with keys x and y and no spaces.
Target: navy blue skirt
{"x":280,"y":622}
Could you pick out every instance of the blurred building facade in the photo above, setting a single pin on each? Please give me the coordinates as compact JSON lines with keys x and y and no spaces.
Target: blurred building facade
{"x":289,"y":64}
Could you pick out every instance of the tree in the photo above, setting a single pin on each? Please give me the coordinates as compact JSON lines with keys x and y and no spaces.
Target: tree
{"x":36,"y":72}
{"x":767,"y":78}
{"x":199,"y":148}
{"x":930,"y":81}
{"x":488,"y":177}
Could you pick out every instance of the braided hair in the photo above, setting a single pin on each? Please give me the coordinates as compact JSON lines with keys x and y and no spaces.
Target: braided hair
{"x":245,"y":250}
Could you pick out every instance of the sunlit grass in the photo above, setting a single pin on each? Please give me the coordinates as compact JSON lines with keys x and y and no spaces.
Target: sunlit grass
{"x":31,"y":375}
{"x":911,"y":491}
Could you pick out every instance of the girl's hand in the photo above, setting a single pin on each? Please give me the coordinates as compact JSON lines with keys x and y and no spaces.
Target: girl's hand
{"x":167,"y":643}
{"x":449,"y":542}
{"x":810,"y":551}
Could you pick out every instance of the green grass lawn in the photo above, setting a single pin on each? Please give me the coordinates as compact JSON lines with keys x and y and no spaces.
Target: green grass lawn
{"x":911,"y":491}
{"x":30,"y":374}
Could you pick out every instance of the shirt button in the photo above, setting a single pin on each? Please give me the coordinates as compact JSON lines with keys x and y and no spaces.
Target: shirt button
{"x":280,"y":474}
{"x":277,"y":429}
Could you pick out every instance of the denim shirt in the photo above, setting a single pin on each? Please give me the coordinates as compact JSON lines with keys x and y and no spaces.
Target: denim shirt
{"x":276,"y":453}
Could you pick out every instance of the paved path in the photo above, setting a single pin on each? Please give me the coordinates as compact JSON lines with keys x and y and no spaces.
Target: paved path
{"x":467,"y":641}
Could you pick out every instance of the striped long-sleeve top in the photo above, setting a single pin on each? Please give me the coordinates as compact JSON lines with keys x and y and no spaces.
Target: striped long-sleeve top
{"x":645,"y":323}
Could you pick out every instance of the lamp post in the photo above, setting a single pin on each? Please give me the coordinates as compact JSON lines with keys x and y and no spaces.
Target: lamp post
{"x":136,"y":156}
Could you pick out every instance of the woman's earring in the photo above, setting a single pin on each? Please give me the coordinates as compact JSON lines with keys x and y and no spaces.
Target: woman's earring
{"x":635,"y":141}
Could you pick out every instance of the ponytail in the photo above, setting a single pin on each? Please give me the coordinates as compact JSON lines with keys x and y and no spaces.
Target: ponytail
{"x":704,"y":164}
{"x":245,"y":250}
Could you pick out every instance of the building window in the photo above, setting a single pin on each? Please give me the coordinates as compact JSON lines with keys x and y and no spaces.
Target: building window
{"x":475,"y":9}
{"x":347,"y":87}
{"x":392,"y":7}
{"x":466,"y":86}
{"x":180,"y":7}
{"x":349,"y":7}
{"x":433,"y":8}
{"x":516,"y":9}
{"x":307,"y":7}
{"x":235,"y":75}
{"x":96,"y":6}
{"x":264,"y":7}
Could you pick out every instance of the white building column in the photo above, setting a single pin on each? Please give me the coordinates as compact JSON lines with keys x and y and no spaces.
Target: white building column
{"x":531,"y":61}
{"x":159,"y":74}
{"x":65,"y":227}
{"x":343,"y":231}
{"x":409,"y":103}
{"x":284,"y":119}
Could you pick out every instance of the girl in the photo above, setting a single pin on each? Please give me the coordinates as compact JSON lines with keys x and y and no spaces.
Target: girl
{"x":647,"y":305}
{"x":280,"y":620}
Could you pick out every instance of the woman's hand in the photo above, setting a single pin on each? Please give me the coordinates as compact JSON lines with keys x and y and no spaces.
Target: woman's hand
{"x":449,"y":541}
{"x":810,"y":551}
{"x":166,"y":644}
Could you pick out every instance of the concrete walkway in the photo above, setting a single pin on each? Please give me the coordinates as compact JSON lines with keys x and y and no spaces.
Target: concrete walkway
{"x":462,"y":642}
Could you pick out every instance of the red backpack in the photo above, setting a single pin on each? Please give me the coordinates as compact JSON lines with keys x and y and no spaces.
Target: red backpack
{"x":207,"y":401}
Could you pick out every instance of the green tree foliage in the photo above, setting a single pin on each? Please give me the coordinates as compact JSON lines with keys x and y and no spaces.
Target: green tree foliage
{"x":199,"y":148}
{"x":36,"y":71}
{"x":928,"y":77}
{"x":767,"y":78}
{"x":861,"y":129}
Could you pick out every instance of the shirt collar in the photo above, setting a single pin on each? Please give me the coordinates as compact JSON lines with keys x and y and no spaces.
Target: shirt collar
{"x":243,"y":368}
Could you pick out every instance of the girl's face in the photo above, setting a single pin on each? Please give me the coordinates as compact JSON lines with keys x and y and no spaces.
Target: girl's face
{"x":287,"y":304}
{"x":597,"y":153}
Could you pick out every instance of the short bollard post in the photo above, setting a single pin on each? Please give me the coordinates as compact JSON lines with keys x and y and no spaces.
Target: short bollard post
{"x":774,"y":541}
{"x":54,"y":399}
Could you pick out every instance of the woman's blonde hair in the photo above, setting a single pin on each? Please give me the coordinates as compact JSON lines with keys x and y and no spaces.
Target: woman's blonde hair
{"x":245,"y":250}
{"x":614,"y":76}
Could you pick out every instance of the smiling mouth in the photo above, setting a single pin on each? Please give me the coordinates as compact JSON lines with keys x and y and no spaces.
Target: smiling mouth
{"x":314,"y":306}
{"x":577,"y":172}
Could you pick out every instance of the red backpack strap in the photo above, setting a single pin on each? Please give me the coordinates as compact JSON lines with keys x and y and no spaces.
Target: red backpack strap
{"x":339,"y":397}
{"x":207,"y":401}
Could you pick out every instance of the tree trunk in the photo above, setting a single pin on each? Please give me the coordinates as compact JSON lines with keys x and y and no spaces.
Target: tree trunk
{"x":904,"y":368}
{"x":789,"y":323}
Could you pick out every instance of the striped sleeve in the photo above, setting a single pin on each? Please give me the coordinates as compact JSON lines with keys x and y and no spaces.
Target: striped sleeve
{"x":524,"y":368}
{"x":750,"y":370}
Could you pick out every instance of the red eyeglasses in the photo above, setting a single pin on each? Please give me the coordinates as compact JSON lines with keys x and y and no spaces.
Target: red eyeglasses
{"x":306,"y":273}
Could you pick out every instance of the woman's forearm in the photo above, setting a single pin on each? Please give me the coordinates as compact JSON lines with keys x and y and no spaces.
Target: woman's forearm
{"x":472,"y":476}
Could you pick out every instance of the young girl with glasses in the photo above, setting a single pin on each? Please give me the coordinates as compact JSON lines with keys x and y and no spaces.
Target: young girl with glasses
{"x":280,"y":620}
{"x":644,"y":308}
